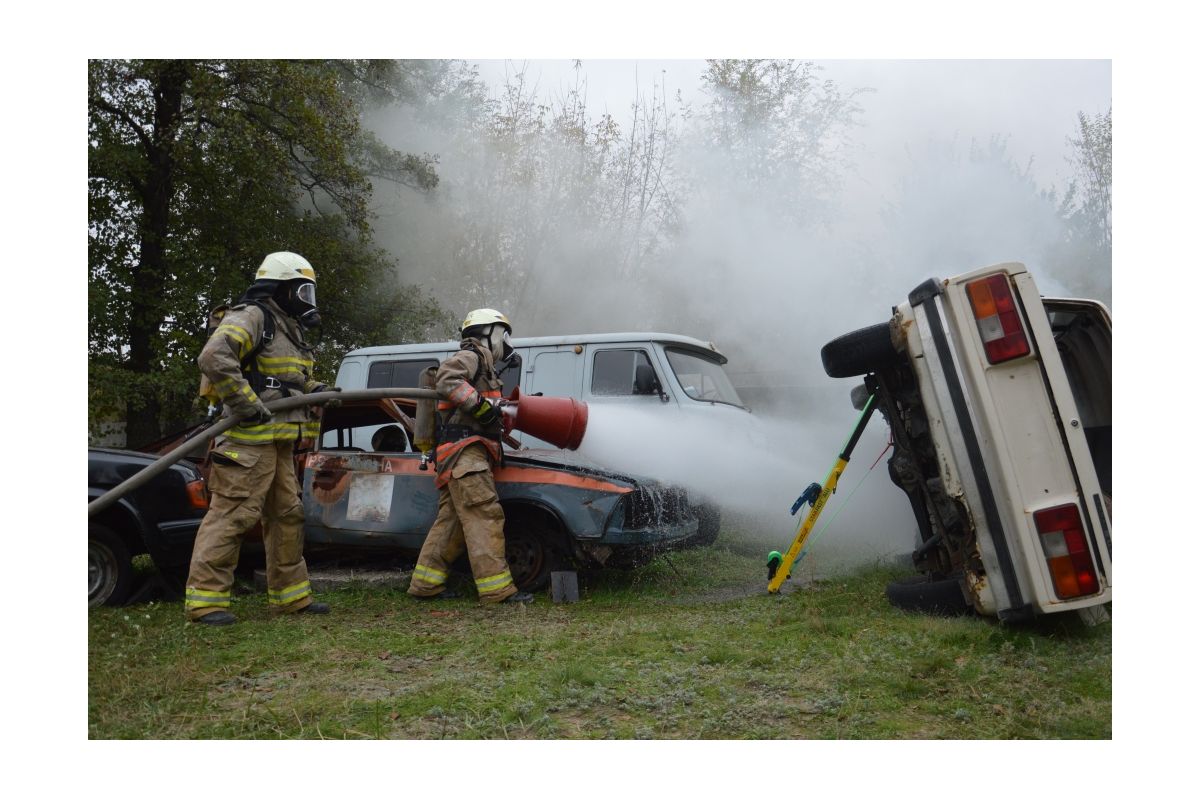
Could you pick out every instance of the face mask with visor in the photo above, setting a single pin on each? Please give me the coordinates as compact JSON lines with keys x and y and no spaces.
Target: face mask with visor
{"x":302,"y":304}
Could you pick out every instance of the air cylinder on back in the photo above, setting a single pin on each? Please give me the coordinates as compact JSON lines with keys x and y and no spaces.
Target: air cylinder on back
{"x":423,"y":429}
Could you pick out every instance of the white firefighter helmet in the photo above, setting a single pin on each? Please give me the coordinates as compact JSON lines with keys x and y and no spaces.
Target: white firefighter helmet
{"x":285,"y":266}
{"x":485,"y":316}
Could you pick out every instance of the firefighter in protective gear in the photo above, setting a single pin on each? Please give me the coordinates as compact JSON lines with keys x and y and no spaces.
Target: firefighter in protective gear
{"x":250,"y":360}
{"x":468,"y":447}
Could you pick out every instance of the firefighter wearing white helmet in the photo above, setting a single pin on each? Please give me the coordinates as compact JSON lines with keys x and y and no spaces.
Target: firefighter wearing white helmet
{"x":258,"y":353}
{"x":468,"y":448}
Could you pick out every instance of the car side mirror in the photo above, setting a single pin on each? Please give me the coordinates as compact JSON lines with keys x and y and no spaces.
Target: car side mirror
{"x":646,"y":382}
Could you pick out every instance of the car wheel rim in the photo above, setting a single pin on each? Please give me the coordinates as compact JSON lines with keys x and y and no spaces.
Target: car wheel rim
{"x":102,"y":573}
{"x":526,"y":558}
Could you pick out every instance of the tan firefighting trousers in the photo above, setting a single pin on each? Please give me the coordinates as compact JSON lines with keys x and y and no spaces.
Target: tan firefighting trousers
{"x":248,"y":483}
{"x":469,"y":515}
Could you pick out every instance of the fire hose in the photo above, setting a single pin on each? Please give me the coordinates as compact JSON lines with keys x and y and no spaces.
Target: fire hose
{"x":216,"y":429}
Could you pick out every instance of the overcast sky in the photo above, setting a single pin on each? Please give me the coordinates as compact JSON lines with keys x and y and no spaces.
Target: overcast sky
{"x":1034,"y":103}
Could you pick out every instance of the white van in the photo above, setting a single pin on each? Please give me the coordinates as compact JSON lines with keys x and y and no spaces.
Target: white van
{"x":668,"y":373}
{"x":1000,"y":406}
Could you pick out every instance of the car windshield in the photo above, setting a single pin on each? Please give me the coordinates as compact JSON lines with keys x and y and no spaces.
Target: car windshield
{"x":702,"y":378}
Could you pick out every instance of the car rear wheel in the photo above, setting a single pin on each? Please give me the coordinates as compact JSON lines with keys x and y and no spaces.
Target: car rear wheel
{"x":110,"y":569}
{"x":859,"y":352}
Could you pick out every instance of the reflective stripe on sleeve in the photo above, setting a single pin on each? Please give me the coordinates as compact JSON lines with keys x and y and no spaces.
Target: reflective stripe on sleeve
{"x":462,"y":394}
{"x":238,"y":334}
{"x":289,"y":595}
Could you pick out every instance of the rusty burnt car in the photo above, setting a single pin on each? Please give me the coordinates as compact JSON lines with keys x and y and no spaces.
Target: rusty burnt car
{"x":160,"y":519}
{"x":366,"y":490}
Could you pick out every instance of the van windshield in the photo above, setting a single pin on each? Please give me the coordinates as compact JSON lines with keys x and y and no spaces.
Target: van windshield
{"x":702,"y":378}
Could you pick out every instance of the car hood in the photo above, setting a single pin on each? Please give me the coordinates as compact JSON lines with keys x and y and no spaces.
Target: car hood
{"x":116,"y":454}
{"x":111,"y":456}
{"x":570,"y":460}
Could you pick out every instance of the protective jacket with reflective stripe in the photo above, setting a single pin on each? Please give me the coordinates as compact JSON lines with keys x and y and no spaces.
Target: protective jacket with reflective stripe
{"x":285,"y":358}
{"x":462,"y":380}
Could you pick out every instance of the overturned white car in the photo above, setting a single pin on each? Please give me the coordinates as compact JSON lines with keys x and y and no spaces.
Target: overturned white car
{"x":1000,"y":405}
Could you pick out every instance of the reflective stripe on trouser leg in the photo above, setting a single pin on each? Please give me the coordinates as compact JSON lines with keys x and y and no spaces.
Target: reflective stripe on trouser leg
{"x":494,"y":583}
{"x":289,"y":594}
{"x":199,"y":598}
{"x":443,"y":544}
{"x":482,"y":519}
{"x":288,"y":588}
{"x":238,"y":494}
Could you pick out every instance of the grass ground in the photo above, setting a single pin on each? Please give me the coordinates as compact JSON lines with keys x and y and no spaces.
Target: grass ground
{"x":689,"y":647}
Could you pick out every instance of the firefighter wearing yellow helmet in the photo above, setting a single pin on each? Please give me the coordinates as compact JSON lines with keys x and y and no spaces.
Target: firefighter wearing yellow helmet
{"x":258,"y":353}
{"x":468,"y":449}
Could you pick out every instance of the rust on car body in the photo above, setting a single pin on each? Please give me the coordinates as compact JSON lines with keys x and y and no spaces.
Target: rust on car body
{"x":356,"y":498}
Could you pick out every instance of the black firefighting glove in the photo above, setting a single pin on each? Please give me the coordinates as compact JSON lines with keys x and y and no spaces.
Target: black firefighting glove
{"x":486,"y":413}
{"x":324,"y":387}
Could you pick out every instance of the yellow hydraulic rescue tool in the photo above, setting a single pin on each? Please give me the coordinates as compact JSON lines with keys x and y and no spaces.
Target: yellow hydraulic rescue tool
{"x":779,"y":566}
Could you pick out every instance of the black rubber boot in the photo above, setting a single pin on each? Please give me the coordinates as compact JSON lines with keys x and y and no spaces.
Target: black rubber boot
{"x":315,"y":608}
{"x":519,"y":597}
{"x":217,"y":618}
{"x":445,"y":594}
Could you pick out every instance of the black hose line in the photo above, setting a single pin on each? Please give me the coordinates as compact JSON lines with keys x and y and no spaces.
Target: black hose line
{"x":285,"y":404}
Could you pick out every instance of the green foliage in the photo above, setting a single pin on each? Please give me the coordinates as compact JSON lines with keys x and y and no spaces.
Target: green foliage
{"x":196,"y":170}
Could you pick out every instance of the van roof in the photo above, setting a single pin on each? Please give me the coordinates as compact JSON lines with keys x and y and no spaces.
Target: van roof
{"x":675,"y":339}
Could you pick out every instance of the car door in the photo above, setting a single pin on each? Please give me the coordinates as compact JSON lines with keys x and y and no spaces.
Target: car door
{"x":363,"y":486}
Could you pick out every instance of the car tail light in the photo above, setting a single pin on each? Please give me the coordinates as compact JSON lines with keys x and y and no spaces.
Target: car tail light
{"x":1066,"y":551}
{"x":197,"y":495}
{"x":997,"y":317}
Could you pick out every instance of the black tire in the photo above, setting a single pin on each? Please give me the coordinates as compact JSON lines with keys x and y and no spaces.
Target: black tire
{"x":941,"y":597}
{"x":710,"y":527}
{"x":859,"y":352}
{"x":531,"y":555}
{"x":110,"y":569}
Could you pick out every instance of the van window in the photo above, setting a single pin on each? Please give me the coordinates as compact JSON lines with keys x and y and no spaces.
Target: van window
{"x":403,"y":374}
{"x":553,"y":374}
{"x":702,"y":378}
{"x":623,"y":373}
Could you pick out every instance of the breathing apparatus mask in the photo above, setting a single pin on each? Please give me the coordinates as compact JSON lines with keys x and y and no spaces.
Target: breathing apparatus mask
{"x":299,"y":300}
{"x":499,"y":342}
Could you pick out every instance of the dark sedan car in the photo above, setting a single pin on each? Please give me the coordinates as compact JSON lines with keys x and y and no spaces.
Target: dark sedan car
{"x":159,"y":519}
{"x":364,"y":489}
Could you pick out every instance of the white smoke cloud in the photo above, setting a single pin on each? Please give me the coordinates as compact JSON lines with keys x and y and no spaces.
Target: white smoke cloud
{"x":768,"y":272}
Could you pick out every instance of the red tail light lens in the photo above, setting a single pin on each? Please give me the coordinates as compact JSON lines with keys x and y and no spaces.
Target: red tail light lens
{"x":997,"y":318}
{"x":197,"y":495}
{"x":1066,"y":551}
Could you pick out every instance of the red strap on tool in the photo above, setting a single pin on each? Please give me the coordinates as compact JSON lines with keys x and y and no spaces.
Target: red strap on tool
{"x":886,"y":447}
